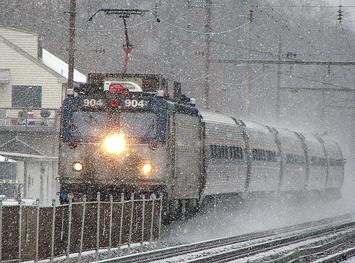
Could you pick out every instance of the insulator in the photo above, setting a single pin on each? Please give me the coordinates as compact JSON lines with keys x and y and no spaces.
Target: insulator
{"x":340,"y":14}
{"x":251,"y":18}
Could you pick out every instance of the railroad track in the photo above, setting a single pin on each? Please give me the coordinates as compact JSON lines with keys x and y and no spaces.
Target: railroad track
{"x":232,"y":248}
{"x":238,"y":253}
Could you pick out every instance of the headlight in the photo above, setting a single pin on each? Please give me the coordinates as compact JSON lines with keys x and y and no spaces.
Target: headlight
{"x":77,"y":166}
{"x":146,"y":168}
{"x":114,"y":143}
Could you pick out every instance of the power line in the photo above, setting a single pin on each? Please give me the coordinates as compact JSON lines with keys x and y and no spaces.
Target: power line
{"x":306,"y":6}
{"x":289,"y":28}
{"x":285,"y":62}
{"x":317,"y":81}
{"x":343,"y":89}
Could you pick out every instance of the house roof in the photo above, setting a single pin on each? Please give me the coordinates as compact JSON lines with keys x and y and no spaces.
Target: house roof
{"x":33,"y":59}
{"x":60,"y":66}
{"x":16,"y":145}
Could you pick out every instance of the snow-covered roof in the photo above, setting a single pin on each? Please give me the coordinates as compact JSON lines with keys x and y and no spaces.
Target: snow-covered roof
{"x":256,"y":127}
{"x":216,"y":117}
{"x":5,"y":159}
{"x":60,"y":66}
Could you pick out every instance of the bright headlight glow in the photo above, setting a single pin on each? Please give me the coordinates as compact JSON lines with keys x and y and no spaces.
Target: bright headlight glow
{"x":147,"y":169}
{"x":114,"y":143}
{"x":77,"y":166}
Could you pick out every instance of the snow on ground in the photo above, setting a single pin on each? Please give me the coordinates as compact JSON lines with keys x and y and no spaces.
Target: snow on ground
{"x":350,"y":260}
{"x":90,"y":256}
{"x":255,"y":215}
{"x":280,"y":251}
{"x":290,"y":248}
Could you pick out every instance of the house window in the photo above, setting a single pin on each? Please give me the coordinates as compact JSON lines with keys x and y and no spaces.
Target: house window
{"x":26,"y":96}
{"x":5,"y":76}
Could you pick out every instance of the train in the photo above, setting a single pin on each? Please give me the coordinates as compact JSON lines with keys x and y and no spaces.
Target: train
{"x":137,"y":133}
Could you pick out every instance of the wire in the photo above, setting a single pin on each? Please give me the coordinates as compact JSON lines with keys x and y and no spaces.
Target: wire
{"x":289,"y":29}
{"x":206,"y":33}
{"x":306,"y":6}
{"x":316,"y":81}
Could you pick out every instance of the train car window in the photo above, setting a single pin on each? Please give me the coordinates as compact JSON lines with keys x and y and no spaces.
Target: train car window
{"x":259,"y":155}
{"x":219,"y":151}
{"x":223,"y":154}
{"x":263,"y":155}
{"x":236,"y":152}
{"x":274,"y":159}
{"x":241,"y":154}
{"x":323,"y":162}
{"x":318,"y":161}
{"x":226,"y":152}
{"x":231,"y":152}
{"x":339,"y":162}
{"x":336,"y":162}
{"x":294,"y":159}
{"x":254,"y":154}
{"x":212,"y":151}
{"x":332,"y":162}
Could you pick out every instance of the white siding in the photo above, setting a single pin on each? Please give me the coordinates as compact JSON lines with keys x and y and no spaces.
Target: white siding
{"x":26,"y":41}
{"x":27,"y":72}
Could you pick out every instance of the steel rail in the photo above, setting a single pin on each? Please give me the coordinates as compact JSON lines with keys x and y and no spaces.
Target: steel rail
{"x":314,"y":252}
{"x":308,"y":253}
{"x":205,"y":245}
{"x":238,"y":253}
{"x":337,"y":257}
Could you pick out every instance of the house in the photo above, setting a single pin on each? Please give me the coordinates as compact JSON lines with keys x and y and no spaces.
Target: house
{"x":32,"y":88}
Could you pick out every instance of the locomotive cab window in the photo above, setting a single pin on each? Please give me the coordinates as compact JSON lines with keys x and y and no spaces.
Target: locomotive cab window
{"x":88,"y":124}
{"x":91,"y":125}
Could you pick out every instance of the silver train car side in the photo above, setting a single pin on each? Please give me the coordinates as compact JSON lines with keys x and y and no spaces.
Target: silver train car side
{"x":246,"y":157}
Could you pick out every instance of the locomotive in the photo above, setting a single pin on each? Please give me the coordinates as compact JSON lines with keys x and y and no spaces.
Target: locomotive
{"x":138,"y":133}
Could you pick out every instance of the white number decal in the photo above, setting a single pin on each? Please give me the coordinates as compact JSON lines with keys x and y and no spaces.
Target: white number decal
{"x":134,"y":103}
{"x":93,"y":103}
{"x":141,"y":103}
{"x":99,"y":103}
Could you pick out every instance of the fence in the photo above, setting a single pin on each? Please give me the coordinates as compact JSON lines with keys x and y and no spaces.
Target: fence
{"x":45,"y":117}
{"x":35,"y":233}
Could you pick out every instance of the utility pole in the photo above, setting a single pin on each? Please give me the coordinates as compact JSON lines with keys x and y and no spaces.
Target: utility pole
{"x":322,"y":112}
{"x":71,"y":50}
{"x":352,"y":127}
{"x":248,"y":67}
{"x":278,"y":94}
{"x":208,"y":49}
